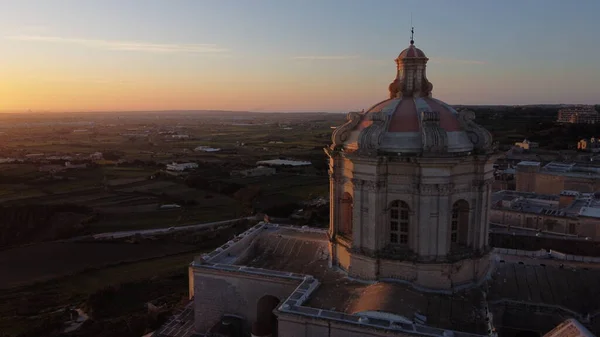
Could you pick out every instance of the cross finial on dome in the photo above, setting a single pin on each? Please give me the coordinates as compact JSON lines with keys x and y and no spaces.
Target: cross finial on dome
{"x":412,"y":35}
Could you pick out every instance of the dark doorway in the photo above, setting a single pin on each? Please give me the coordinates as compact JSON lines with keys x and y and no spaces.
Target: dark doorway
{"x":266,"y":321}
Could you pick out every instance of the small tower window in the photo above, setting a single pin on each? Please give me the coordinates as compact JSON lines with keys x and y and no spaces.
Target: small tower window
{"x":399,"y":217}
{"x":459,"y":223}
{"x":454,"y":227}
{"x":346,"y":214}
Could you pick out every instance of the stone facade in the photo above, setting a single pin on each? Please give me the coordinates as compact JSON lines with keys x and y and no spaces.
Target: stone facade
{"x":430,"y":189}
{"x":411,"y":181}
{"x":218,"y":292}
{"x":534,"y":179}
{"x":295,"y":326}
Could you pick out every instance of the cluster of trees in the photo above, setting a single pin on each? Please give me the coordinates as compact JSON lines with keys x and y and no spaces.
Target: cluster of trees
{"x":537,"y":124}
{"x":21,"y":224}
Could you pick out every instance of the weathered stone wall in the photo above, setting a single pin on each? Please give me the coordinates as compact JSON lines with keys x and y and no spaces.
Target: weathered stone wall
{"x":549,"y":183}
{"x":428,"y":275}
{"x":293,"y":326}
{"x":218,"y":292}
{"x":544,"y":183}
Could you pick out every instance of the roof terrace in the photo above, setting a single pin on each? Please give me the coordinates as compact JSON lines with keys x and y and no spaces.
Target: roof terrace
{"x":324,"y":293}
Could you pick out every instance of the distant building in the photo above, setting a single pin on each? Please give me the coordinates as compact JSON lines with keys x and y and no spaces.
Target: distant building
{"x":578,"y":115}
{"x":555,"y":177}
{"x":570,"y":213}
{"x":51,"y":168}
{"x":181,"y":167}
{"x":34,"y":155}
{"x":406,"y":252}
{"x":504,"y":179}
{"x":134,"y":135}
{"x":570,"y":328}
{"x":590,"y":145}
{"x":69,"y":165}
{"x":96,"y":156}
{"x":207,"y":149}
{"x":527,"y":145}
{"x":283,"y":162}
{"x":256,"y":172}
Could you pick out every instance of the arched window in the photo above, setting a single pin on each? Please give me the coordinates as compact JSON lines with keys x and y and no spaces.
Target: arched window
{"x":459,"y":224}
{"x":399,"y":216}
{"x":346,"y":214}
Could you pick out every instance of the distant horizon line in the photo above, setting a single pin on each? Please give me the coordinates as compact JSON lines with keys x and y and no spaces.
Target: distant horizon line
{"x":250,"y":111}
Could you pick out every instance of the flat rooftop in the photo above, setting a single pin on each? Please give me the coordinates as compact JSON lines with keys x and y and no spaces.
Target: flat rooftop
{"x":535,"y":283}
{"x":583,"y":204}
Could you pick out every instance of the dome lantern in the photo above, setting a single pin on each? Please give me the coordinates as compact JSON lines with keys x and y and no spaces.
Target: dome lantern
{"x":411,"y":121}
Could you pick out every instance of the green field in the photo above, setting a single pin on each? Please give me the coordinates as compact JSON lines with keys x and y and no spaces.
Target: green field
{"x":47,"y":297}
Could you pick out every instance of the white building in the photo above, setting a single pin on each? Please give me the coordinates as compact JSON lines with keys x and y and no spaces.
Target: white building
{"x":207,"y":149}
{"x":283,"y":162}
{"x":181,"y":167}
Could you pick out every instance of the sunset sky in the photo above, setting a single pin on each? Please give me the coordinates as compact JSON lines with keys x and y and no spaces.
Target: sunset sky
{"x":285,"y":55}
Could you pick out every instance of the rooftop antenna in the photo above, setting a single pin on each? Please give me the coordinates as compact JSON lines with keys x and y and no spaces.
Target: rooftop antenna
{"x":412,"y":31}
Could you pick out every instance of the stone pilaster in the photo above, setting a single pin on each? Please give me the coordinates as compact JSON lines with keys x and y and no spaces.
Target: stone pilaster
{"x":357,"y":213}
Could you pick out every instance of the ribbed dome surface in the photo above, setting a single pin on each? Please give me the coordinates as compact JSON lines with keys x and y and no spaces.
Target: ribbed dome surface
{"x":404,"y":123}
{"x":411,"y":52}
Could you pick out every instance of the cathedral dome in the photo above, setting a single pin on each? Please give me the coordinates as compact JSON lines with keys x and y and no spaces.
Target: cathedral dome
{"x":405,"y":120}
{"x":411,"y":120}
{"x":411,"y":52}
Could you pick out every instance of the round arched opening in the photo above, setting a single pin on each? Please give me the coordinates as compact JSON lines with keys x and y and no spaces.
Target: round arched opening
{"x":266,"y":321}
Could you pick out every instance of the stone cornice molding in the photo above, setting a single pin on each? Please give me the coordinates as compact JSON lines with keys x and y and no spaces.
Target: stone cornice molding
{"x":370,"y":138}
{"x":478,"y":135}
{"x":436,"y":189}
{"x":341,"y":134}
{"x":434,"y":137}
{"x":357,"y":182}
{"x":374,"y":185}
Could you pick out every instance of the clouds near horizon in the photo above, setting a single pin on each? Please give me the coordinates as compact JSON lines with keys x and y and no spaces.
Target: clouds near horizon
{"x":135,"y":46}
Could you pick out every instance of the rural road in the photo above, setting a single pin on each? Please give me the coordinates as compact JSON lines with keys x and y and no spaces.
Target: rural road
{"x":123,"y":234}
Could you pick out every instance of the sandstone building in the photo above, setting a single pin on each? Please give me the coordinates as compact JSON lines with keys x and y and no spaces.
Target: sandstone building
{"x":406,"y":252}
{"x":555,"y":177}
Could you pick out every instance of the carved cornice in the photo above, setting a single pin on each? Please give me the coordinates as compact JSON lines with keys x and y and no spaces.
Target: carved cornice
{"x":340,"y":134}
{"x":357,"y":182}
{"x":375,"y":185}
{"x":435,"y":138}
{"x":479,"y":136}
{"x":463,"y":190}
{"x":436,"y":189}
{"x":370,"y":138}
